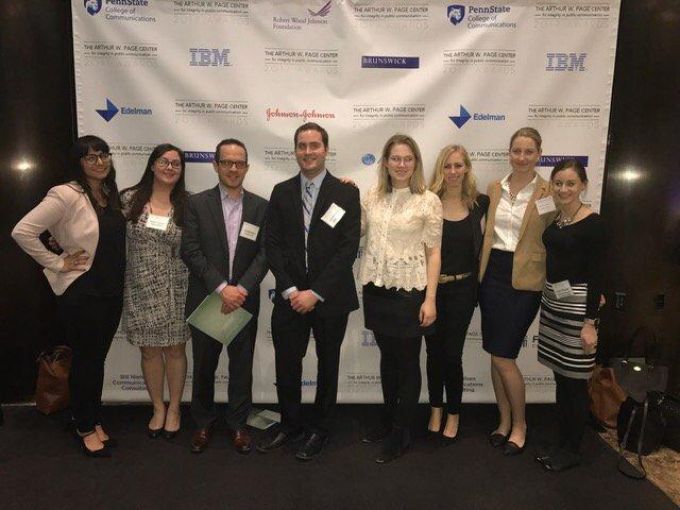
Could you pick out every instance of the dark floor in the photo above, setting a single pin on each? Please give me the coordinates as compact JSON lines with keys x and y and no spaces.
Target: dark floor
{"x":41,"y":468}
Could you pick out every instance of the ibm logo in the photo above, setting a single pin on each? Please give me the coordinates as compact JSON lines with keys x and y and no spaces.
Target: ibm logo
{"x":206,"y":57}
{"x":565,"y":62}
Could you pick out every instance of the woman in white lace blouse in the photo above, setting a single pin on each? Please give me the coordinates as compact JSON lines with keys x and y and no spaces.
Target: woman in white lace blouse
{"x":402,"y":222}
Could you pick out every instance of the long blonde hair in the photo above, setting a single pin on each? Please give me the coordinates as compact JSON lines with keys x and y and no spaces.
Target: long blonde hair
{"x":468,"y":188}
{"x":417,"y":181}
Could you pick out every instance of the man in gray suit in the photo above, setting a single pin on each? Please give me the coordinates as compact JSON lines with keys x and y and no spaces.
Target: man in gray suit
{"x":223,"y":247}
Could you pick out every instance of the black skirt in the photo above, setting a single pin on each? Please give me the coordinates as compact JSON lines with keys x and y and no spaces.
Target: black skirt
{"x":394,"y":312}
{"x":507,"y":313}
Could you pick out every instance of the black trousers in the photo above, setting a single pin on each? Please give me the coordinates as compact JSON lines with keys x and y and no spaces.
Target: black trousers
{"x":206,"y":354}
{"x":400,"y":378}
{"x":89,"y":324}
{"x":290,"y":332}
{"x":455,"y":305}
{"x":572,"y":409}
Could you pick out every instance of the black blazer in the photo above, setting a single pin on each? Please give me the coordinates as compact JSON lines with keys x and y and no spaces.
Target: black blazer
{"x":331,"y":252}
{"x":206,"y":253}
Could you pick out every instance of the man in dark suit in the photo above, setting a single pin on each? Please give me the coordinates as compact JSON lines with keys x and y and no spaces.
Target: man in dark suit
{"x":313,"y":228}
{"x":223,"y":247}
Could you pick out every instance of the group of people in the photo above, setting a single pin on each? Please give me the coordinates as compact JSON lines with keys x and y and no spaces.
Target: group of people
{"x":431,"y":254}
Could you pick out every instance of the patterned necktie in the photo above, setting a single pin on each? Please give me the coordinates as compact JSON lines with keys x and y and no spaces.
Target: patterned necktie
{"x":307,"y":207}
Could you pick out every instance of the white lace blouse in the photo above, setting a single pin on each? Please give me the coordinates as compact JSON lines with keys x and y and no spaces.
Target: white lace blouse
{"x":398,"y":226}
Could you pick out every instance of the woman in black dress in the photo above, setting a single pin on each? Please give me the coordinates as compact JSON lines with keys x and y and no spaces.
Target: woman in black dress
{"x":574,"y":244}
{"x":464,"y":212}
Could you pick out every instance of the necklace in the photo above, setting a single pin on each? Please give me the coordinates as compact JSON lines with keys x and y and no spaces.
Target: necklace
{"x":562,"y":221}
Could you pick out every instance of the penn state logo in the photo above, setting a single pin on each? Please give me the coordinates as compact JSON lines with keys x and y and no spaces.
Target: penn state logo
{"x":368,"y":159}
{"x":93,"y":6}
{"x":456,"y":13}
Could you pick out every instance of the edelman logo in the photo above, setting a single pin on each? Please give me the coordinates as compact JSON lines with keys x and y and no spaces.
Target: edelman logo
{"x":93,"y":6}
{"x":463,"y":116}
{"x":390,"y":62}
{"x":205,"y":57}
{"x":199,"y":157}
{"x":551,"y":161}
{"x":112,"y":110}
{"x":565,"y":62}
{"x":323,"y":12}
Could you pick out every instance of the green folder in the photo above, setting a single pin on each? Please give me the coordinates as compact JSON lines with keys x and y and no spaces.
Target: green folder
{"x":208,"y":318}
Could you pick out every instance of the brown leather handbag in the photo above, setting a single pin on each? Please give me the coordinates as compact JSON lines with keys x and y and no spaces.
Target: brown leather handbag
{"x":606,"y":396}
{"x":51,"y":389}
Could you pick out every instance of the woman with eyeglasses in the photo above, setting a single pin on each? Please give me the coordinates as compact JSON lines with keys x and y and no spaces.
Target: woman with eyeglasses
{"x":156,"y":282}
{"x":84,"y":217}
{"x":402,"y":222}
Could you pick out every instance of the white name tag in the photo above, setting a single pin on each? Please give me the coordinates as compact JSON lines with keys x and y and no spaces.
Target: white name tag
{"x":545,"y":205}
{"x":158,"y":222}
{"x":333,"y":215}
{"x":562,"y":289}
{"x":249,"y":231}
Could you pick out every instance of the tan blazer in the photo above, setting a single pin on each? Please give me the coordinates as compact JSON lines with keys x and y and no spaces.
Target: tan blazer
{"x":68,"y":214}
{"x":528,"y":263}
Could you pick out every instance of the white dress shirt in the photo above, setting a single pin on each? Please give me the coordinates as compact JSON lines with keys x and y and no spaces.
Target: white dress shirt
{"x":509,"y":215}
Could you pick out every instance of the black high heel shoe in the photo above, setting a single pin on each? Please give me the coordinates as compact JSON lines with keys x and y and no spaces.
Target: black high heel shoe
{"x":154,"y":433}
{"x":496,"y":439}
{"x":102,"y":453}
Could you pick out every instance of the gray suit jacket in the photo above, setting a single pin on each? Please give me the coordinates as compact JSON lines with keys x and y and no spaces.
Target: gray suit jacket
{"x":205,"y":250}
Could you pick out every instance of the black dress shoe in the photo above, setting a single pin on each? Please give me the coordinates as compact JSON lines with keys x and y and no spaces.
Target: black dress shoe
{"x":154,"y":433}
{"x":561,"y":461}
{"x":376,"y":435}
{"x":512,"y":449}
{"x":102,"y":453}
{"x":496,"y":439}
{"x":448,"y":441}
{"x":110,"y":442}
{"x":277,"y":440}
{"x":395,"y":446}
{"x":312,"y":447}
{"x":170,"y":434}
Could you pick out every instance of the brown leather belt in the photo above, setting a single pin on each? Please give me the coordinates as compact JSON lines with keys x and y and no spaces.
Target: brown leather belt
{"x":446,"y":278}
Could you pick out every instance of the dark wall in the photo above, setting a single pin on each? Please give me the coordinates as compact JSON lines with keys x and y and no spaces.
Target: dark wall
{"x":37,"y":127}
{"x":641,"y":202}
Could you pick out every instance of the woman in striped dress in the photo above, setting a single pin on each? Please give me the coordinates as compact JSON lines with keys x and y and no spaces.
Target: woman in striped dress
{"x":569,"y":308}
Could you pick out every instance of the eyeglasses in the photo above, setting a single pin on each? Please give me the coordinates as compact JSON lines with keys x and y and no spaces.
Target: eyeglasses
{"x":226,"y":164}
{"x":397,"y":160}
{"x":164,"y":163}
{"x":93,"y":158}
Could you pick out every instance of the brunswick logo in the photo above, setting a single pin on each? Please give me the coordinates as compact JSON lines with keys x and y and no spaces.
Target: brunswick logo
{"x":323,"y":12}
{"x":390,"y":62}
{"x":204,"y":57}
{"x":565,"y":62}
{"x":461,"y":119}
{"x":455,"y":13}
{"x":93,"y":6}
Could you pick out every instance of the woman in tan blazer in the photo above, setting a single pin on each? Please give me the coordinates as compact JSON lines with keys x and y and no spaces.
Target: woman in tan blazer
{"x":512,"y":273}
{"x":85,"y":219}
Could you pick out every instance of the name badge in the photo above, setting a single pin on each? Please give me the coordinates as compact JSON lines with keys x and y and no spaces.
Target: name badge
{"x":333,"y":215}
{"x":545,"y":205}
{"x":562,"y":289}
{"x":158,"y":222}
{"x":249,"y":231}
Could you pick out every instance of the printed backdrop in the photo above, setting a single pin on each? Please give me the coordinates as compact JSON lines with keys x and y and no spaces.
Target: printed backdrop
{"x":192,"y":72}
